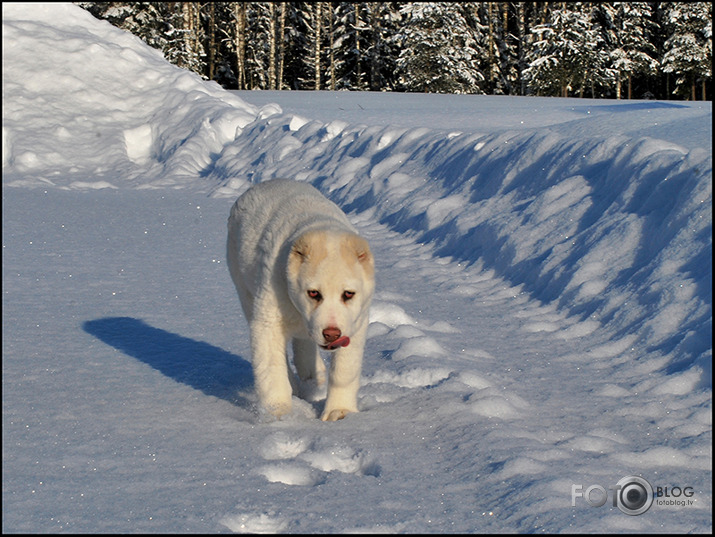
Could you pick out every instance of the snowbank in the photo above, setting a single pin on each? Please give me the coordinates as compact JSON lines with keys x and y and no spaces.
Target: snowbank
{"x":86,"y":105}
{"x":615,"y":230}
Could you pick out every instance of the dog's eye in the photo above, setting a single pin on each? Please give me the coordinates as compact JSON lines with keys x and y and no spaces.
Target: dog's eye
{"x":315,"y":295}
{"x":347,"y":295}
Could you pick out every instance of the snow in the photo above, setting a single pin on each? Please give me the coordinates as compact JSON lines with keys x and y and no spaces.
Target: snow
{"x":543,"y":313}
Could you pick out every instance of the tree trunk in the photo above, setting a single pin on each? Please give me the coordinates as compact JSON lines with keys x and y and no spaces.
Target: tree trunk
{"x":373,"y":10}
{"x":281,"y":44}
{"x":331,"y":29}
{"x":272,"y":38}
{"x":667,"y":86}
{"x":240,"y":43}
{"x":317,"y":22}
{"x":490,"y":44}
{"x":504,"y":67}
{"x":522,"y":32}
{"x":188,"y":30}
{"x":212,"y":41}
{"x":358,"y":73}
{"x":192,"y":29}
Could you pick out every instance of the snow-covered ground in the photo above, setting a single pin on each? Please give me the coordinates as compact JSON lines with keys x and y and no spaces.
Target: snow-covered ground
{"x":543,"y":318}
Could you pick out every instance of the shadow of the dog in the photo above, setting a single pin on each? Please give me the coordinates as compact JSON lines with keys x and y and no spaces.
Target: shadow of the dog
{"x":200,"y":365}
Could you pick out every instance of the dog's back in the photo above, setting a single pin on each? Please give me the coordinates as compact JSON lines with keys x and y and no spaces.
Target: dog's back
{"x":266,"y":218}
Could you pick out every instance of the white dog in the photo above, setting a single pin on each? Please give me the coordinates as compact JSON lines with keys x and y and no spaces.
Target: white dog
{"x":303,"y":273}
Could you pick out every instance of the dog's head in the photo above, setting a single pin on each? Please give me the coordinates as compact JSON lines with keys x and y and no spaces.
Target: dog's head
{"x":330,"y":282}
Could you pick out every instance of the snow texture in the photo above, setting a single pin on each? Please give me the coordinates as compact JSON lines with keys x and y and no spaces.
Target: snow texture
{"x":543,"y":315}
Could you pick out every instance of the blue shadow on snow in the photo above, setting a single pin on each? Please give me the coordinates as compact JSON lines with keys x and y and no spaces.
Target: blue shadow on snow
{"x":625,"y":106}
{"x":200,"y":365}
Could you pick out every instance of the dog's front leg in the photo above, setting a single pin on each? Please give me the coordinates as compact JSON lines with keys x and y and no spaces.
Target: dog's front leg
{"x":344,"y":378}
{"x":270,"y":369}
{"x":307,"y":361}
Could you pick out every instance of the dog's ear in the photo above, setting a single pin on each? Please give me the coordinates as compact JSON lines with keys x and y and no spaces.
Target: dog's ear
{"x":300,"y":250}
{"x":297,"y":255}
{"x":362,"y":251}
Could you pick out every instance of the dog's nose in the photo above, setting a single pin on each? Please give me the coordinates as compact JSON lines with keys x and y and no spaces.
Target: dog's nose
{"x":331,"y":334}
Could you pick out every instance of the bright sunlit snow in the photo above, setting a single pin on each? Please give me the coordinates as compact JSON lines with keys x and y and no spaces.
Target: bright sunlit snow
{"x":543,"y":317}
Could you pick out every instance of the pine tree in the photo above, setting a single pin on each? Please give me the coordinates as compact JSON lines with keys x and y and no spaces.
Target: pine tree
{"x":522,"y":15}
{"x":291,"y":67}
{"x":440,"y":50}
{"x":569,"y":53}
{"x":253,"y":33}
{"x":259,"y":25}
{"x":627,"y":28}
{"x":362,"y":46}
{"x":237,"y":40}
{"x":143,"y":19}
{"x":224,"y":70}
{"x":688,"y":50}
{"x":184,"y":46}
{"x":349,"y":45}
{"x":308,"y":33}
{"x":382,"y":20}
{"x":496,"y":21}
{"x":553,"y":63}
{"x":545,"y":48}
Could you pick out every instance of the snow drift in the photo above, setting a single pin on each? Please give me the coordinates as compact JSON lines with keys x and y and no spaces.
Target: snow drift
{"x":55,"y":117}
{"x":539,"y":209}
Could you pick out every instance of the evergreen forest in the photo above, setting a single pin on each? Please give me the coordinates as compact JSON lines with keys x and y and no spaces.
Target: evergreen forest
{"x":617,"y":50}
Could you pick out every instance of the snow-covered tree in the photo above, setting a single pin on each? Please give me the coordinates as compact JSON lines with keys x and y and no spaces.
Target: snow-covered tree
{"x":688,"y":49}
{"x":568,"y":53}
{"x":515,"y":48}
{"x":440,"y":51}
{"x":255,"y":36}
{"x":143,"y":19}
{"x":362,"y":46}
{"x":381,"y":51}
{"x":553,"y":58}
{"x":306,"y":23}
{"x":497,"y":21}
{"x":349,"y":46}
{"x":185,"y":35}
{"x":627,"y":28}
{"x":259,"y":26}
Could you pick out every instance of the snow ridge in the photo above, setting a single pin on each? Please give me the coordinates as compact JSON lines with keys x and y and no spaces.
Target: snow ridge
{"x":590,"y":224}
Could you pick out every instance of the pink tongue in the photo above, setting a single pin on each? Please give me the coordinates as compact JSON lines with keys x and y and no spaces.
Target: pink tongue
{"x":340,"y":342}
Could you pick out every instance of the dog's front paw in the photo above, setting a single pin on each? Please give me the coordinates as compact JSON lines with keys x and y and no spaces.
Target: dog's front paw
{"x":335,"y":415}
{"x":278,"y":409}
